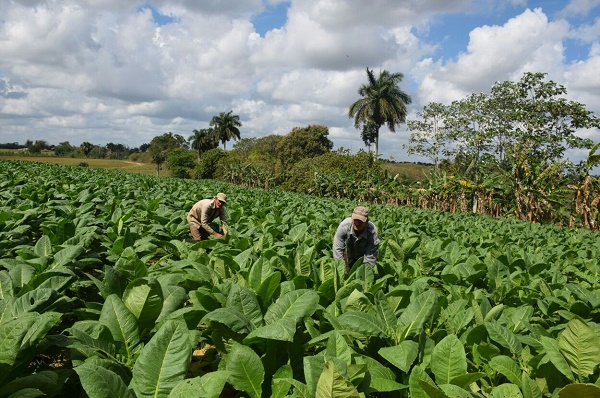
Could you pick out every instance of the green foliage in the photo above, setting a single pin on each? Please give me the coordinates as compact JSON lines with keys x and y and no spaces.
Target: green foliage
{"x":331,"y":173}
{"x":302,"y":143}
{"x":382,"y":102}
{"x":225,"y":127}
{"x":102,"y":293}
{"x":181,"y":162}
{"x":86,"y":148}
{"x":207,"y":165}
{"x":203,"y":140}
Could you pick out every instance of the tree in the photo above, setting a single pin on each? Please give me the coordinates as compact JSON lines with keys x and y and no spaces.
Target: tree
{"x":471,"y":130}
{"x":301,"y":143}
{"x":86,"y":148}
{"x":429,"y":137}
{"x":38,"y":146}
{"x":203,"y":140}
{"x":111,"y":147}
{"x":369,"y":133}
{"x":158,"y":158}
{"x":181,"y":163}
{"x":161,"y":145}
{"x":381,"y":102}
{"x":536,"y":111}
{"x":63,"y":149}
{"x":226,"y":127}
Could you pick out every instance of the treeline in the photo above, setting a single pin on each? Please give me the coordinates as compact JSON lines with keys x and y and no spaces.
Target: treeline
{"x":65,"y":149}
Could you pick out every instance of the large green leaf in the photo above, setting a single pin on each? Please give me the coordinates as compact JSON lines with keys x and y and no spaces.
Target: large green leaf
{"x":144,"y":299}
{"x":245,"y":301}
{"x":230,"y":317}
{"x":208,"y":386}
{"x":507,"y":367}
{"x":503,"y":336}
{"x":282,"y":330}
{"x":401,"y":356}
{"x":67,"y":255}
{"x":415,"y":380}
{"x":163,"y":362}
{"x":246,"y":371}
{"x":557,"y":359}
{"x":259,"y":272}
{"x":363,"y":323}
{"x":580,"y":346}
{"x":38,"y":300}
{"x":43,"y":247}
{"x":506,"y":391}
{"x":280,"y":384}
{"x":529,"y":387}
{"x":338,"y":347}
{"x":448,"y":359}
{"x":296,"y":304}
{"x":12,"y":333}
{"x":580,"y":391}
{"x":416,"y":314}
{"x":21,"y":274}
{"x":121,"y":323}
{"x":99,"y":382}
{"x":379,"y":379}
{"x":333,"y":385}
{"x":174,"y":298}
{"x":6,"y":285}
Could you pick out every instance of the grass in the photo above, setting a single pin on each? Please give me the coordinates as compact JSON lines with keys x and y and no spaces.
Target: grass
{"x":408,"y":171}
{"x":113,"y":164}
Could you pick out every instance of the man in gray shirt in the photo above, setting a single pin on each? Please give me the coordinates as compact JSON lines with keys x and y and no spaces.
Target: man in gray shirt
{"x":356,"y":237}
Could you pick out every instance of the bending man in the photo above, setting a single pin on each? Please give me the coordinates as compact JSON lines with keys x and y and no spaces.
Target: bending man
{"x":203,"y":213}
{"x":356,"y":237}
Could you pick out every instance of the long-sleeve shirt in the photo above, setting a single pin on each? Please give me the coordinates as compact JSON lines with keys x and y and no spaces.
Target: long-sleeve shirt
{"x":366,"y":244}
{"x":203,"y":212}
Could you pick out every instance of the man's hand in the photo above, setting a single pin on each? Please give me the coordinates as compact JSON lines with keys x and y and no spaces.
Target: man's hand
{"x":218,"y":235}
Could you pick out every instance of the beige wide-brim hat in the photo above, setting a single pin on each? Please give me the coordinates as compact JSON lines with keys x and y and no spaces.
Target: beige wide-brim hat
{"x":360,"y":213}
{"x":222,"y":197}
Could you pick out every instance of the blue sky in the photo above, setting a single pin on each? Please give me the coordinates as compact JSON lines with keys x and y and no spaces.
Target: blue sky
{"x":125,"y":71}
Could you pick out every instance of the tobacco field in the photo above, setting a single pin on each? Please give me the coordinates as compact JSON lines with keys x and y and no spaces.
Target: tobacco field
{"x":103,"y":294}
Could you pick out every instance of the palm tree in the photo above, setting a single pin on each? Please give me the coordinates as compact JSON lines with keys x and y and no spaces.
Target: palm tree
{"x":203,"y":140}
{"x":86,"y":148}
{"x":226,"y":126}
{"x":381,"y":102}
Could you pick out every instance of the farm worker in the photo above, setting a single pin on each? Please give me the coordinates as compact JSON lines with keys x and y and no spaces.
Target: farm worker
{"x":356,"y":237}
{"x":203,"y":213}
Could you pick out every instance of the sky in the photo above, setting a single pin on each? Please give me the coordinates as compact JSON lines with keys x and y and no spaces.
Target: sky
{"x":125,"y":71}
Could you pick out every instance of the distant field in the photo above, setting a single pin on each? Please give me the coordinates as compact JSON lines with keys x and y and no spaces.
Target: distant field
{"x":124,"y":165}
{"x":410,"y":171}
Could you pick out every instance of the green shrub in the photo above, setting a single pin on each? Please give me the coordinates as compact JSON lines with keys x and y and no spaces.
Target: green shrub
{"x":207,"y":165}
{"x":181,"y":162}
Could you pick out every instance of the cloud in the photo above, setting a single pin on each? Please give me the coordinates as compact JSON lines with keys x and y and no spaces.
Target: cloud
{"x":110,"y":71}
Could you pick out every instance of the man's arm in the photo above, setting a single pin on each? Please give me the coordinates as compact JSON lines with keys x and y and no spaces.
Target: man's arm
{"x":205,"y":219}
{"x":339,"y":241}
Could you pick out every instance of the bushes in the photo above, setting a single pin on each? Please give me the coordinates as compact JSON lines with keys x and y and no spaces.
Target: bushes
{"x":207,"y":165}
{"x":181,"y":162}
{"x":332,"y":171}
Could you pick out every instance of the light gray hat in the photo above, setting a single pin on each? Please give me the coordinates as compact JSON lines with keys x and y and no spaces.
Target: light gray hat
{"x":360,"y":213}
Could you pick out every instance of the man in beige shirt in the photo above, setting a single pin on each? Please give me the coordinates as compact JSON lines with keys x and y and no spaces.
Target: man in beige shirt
{"x":205,"y":211}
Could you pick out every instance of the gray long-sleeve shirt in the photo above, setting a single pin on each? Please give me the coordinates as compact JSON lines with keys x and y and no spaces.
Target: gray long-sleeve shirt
{"x":366,"y":244}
